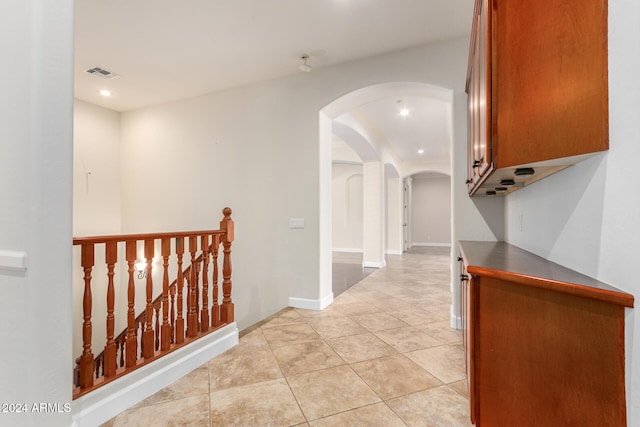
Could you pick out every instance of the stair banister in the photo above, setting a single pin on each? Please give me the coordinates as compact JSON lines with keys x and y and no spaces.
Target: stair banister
{"x":160,"y":327}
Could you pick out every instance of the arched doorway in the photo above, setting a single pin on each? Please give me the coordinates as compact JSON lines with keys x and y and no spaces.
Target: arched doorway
{"x":390,"y":222}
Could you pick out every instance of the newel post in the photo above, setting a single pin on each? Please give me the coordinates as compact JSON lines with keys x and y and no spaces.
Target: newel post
{"x":226,"y":225}
{"x":215,"y":307}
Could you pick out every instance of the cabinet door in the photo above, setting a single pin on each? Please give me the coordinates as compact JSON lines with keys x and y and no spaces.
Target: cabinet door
{"x":467,"y":341}
{"x":551,"y":79}
{"x":478,"y":103}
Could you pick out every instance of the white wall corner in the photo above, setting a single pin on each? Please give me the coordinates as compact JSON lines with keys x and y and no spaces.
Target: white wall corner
{"x":311,"y":304}
{"x":111,"y":399}
{"x":456,"y":321}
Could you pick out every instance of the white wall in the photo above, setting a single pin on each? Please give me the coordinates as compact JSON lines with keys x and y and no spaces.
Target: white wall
{"x":96,"y":211}
{"x":347,"y":207}
{"x":96,"y":170}
{"x":236,"y":136}
{"x":255,"y":149}
{"x":393,"y":197}
{"x":431,"y":205}
{"x":36,"y":42}
{"x":374,"y":215}
{"x":588,"y":216}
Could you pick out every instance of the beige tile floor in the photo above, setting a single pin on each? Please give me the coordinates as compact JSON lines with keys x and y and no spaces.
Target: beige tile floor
{"x":383,"y":354}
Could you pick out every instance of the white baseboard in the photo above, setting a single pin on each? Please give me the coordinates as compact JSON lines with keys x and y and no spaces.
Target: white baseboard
{"x":311,"y":304}
{"x":106,"y":402}
{"x":456,"y":321}
{"x":359,"y":251}
{"x":372,"y":264}
{"x":350,"y":250}
{"x":446,"y":245}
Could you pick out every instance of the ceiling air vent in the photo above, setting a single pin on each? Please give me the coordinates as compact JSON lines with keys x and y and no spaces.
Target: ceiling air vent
{"x":102,"y":73}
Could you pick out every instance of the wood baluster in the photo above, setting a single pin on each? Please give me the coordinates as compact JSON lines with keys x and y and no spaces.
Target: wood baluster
{"x":110,"y":349}
{"x":166,"y":328}
{"x":97,"y":365}
{"x":215,"y":308}
{"x":226,"y":225}
{"x":172,"y":313}
{"x":198,"y":269}
{"x":132,"y":328}
{"x":140,"y":326}
{"x":76,"y":373}
{"x":204,"y":314}
{"x":180,"y":286}
{"x":147,"y":335}
{"x":122,"y":350}
{"x":86,"y":360}
{"x":192,"y":315}
{"x":157,"y":307}
{"x":187,"y":298}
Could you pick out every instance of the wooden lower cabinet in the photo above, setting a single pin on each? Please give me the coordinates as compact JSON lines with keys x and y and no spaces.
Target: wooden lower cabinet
{"x":544,"y":344}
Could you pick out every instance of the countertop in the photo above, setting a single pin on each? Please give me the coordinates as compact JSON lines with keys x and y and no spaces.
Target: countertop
{"x":503,"y":261}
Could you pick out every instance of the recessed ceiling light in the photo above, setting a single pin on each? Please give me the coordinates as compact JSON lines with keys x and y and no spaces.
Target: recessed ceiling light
{"x":404,"y":111}
{"x":420,"y":150}
{"x":105,"y":92}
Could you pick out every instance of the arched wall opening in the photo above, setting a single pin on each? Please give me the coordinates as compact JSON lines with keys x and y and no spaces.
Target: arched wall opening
{"x":393,"y":172}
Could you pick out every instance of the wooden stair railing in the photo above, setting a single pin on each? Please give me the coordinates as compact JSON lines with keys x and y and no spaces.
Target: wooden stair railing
{"x":160,"y":328}
{"x":139,"y":323}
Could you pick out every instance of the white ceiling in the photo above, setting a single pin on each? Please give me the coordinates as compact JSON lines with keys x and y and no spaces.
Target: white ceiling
{"x":427,"y":126}
{"x":165,"y":50}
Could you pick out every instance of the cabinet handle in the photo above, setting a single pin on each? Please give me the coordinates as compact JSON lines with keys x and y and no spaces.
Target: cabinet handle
{"x":459,"y":258}
{"x":464,"y":277}
{"x":468,"y":181}
{"x":476,"y":163}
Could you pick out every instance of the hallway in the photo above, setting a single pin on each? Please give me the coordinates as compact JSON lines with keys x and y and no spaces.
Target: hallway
{"x":383,"y":354}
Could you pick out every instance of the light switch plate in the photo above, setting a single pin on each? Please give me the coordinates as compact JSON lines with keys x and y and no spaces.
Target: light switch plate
{"x":296,"y":222}
{"x":13,"y":260}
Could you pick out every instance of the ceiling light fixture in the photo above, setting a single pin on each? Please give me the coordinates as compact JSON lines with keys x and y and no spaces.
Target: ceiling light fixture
{"x":404,"y":111}
{"x":304,"y":66}
{"x":105,"y":92}
{"x":420,"y":150}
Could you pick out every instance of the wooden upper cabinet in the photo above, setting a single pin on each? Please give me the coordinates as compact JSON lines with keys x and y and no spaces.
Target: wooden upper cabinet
{"x":537,"y":90}
{"x":478,"y":87}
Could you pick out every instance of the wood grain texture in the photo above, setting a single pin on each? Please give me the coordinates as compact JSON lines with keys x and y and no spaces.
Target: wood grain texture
{"x":551,"y":77}
{"x":537,"y":86}
{"x":545,"y":344}
{"x":544,"y":358}
{"x":160,"y":328}
{"x":507,"y":262}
